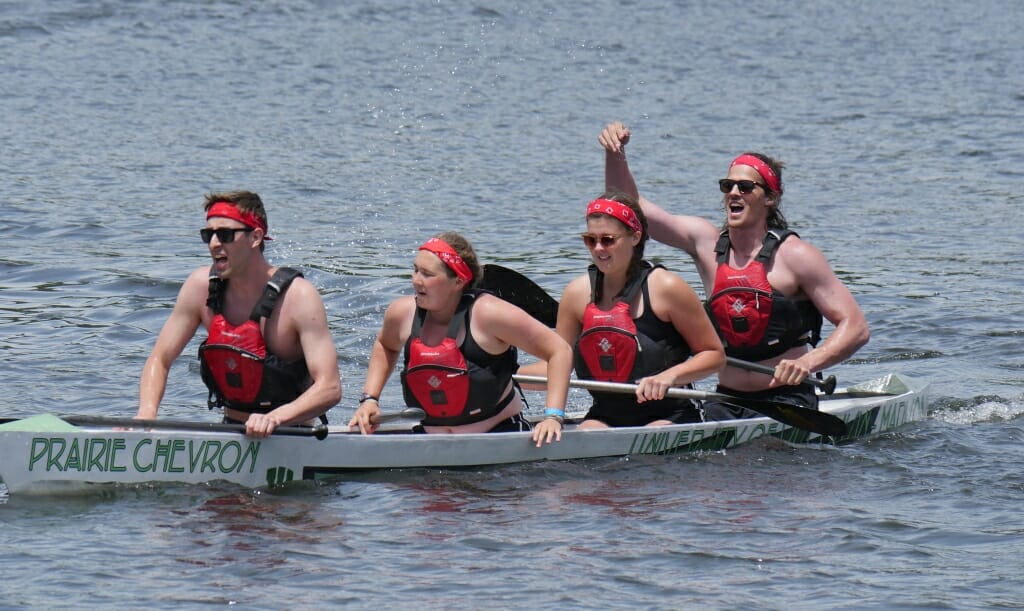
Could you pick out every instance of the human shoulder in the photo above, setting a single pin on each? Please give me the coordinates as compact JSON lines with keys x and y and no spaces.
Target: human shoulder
{"x":795,"y":251}
{"x":302,"y":297}
{"x":301,"y":288}
{"x":578,"y":285}
{"x":661,"y":274}
{"x":577,"y":292}
{"x":488,"y":306}
{"x":200,"y":274}
{"x":397,"y":324}
{"x":663,"y":278}
{"x":403,"y":305}
{"x":665,"y":285}
{"x":195,"y":290}
{"x":804,"y":260}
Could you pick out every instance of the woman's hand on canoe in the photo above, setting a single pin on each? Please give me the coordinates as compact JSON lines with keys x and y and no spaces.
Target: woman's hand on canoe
{"x":546,"y":430}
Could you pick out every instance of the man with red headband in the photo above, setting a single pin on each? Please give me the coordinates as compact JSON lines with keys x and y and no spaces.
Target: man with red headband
{"x":767,"y":288}
{"x":269,"y":359}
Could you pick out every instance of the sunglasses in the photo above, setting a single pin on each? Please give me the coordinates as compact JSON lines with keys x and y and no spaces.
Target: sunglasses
{"x":746,"y":186}
{"x":605,"y":240}
{"x":225,"y":235}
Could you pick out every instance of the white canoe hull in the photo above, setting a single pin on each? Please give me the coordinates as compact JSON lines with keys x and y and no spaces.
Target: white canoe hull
{"x":71,"y":458}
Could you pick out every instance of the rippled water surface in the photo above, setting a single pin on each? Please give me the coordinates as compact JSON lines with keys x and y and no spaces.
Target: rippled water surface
{"x":366,"y":127}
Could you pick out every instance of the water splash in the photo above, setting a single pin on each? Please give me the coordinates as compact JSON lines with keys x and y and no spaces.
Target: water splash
{"x":979,"y":409}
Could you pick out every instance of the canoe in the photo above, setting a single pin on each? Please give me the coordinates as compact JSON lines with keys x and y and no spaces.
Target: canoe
{"x":46,"y":454}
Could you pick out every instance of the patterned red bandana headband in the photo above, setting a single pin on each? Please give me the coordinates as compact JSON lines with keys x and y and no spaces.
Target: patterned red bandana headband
{"x":762,"y":168}
{"x":616,"y":210}
{"x":231,"y":211}
{"x":449,"y":257}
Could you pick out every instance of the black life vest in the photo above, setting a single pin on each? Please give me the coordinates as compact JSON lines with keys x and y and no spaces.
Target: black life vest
{"x":455,"y":384}
{"x":755,"y":321}
{"x":611,"y":349}
{"x":234,"y":362}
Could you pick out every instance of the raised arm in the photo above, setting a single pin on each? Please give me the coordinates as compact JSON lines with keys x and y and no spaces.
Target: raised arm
{"x":617,"y":175}
{"x":179,"y":328}
{"x":692,"y":234}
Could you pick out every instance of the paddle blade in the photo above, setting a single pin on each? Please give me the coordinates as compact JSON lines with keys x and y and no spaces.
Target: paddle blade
{"x":519,"y":290}
{"x":798,"y":416}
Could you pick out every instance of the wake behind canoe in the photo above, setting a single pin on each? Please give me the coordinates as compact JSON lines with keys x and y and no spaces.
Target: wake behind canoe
{"x":44,"y":454}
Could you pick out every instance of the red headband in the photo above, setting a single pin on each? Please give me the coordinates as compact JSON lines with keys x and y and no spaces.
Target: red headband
{"x":766,"y":172}
{"x":449,"y":257}
{"x":616,"y":210}
{"x":231,"y":211}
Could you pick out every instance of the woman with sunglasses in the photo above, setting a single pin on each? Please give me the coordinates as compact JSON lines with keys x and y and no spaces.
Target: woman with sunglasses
{"x":269,"y":359}
{"x":460,"y":349}
{"x":768,"y":288}
{"x":632,"y":322}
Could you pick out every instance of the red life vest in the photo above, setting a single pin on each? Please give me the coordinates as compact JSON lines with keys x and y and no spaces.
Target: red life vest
{"x":755,"y":321}
{"x":455,"y":384}
{"x":608,"y":344}
{"x":234,"y":362}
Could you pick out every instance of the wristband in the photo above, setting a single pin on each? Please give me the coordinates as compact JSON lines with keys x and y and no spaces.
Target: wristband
{"x":553,"y":413}
{"x":367,"y":397}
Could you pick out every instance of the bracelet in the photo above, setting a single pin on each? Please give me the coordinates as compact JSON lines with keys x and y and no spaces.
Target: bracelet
{"x":553,"y":413}
{"x":368,"y":397}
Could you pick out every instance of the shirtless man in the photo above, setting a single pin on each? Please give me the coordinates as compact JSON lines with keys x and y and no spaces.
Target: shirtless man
{"x":269,"y":359}
{"x":779,"y":324}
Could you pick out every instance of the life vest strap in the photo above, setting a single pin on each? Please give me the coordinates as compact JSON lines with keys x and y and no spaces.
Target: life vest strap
{"x":771,"y":242}
{"x":277,"y":284}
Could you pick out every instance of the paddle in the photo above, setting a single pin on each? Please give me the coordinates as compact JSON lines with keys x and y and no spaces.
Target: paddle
{"x":793,"y":415}
{"x":827,"y":386}
{"x":516,"y":288}
{"x":409,"y":413}
{"x":320,"y":431}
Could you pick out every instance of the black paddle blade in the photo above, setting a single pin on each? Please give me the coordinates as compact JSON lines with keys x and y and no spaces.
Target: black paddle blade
{"x":519,"y":290}
{"x":798,"y":416}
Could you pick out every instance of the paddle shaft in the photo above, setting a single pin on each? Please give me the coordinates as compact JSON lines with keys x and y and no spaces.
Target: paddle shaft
{"x":794,"y":415}
{"x":628,"y":389}
{"x":827,"y":386}
{"x":409,"y":413}
{"x":319,"y":431}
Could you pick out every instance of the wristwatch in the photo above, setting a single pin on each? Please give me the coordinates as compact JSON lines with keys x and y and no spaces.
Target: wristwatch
{"x":367,"y":397}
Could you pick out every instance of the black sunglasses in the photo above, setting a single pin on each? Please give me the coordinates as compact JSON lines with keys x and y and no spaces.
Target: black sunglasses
{"x":746,"y":186}
{"x":225,"y":235}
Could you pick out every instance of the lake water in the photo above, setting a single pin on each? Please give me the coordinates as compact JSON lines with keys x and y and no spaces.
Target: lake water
{"x":367,"y":127}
